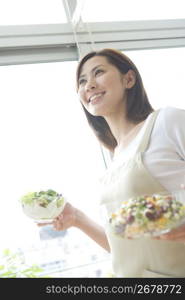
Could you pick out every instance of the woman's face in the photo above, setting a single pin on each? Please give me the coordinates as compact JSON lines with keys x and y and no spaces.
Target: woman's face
{"x":102,"y":88}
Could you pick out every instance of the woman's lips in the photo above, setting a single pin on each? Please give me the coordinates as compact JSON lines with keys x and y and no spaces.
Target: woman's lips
{"x":96,"y":98}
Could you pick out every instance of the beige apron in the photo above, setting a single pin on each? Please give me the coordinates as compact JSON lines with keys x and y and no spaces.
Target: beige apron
{"x":144,"y":257}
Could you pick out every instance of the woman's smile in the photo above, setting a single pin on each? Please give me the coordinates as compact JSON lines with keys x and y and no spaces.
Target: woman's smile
{"x":99,"y":81}
{"x":96,"y":98}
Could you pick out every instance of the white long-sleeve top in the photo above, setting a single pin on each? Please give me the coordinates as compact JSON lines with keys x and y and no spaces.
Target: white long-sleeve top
{"x":165,"y":155}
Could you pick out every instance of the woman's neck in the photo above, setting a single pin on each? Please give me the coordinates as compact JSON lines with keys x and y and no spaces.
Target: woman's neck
{"x":120,"y":126}
{"x":123,"y":130}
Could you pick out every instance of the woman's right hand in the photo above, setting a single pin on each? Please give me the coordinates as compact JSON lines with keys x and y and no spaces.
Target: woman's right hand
{"x":71,"y":216}
{"x":65,"y":220}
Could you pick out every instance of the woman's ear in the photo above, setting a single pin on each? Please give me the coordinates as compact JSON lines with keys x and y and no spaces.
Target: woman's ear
{"x":130,"y":78}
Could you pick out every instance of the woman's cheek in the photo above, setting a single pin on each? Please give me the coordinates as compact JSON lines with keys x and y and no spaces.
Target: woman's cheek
{"x":82,"y":100}
{"x":80,"y":96}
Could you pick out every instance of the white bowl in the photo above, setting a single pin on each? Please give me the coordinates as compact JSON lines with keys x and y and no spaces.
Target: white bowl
{"x":43,"y":214}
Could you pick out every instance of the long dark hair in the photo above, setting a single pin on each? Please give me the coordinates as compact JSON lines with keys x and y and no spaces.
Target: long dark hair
{"x":137,"y":105}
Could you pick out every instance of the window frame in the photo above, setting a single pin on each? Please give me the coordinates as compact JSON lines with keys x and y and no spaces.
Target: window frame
{"x":24,"y":44}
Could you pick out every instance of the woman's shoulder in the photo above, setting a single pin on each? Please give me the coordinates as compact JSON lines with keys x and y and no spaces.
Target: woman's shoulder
{"x":172,"y":113}
{"x":171,"y":121}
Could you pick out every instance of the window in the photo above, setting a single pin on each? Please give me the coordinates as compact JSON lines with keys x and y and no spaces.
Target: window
{"x":21,"y":12}
{"x":46,"y":143}
{"x":122,"y":10}
{"x":163,"y":73}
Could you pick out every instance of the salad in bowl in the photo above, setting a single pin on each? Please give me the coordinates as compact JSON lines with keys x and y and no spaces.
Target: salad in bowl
{"x":148,"y":215}
{"x":43,"y":206}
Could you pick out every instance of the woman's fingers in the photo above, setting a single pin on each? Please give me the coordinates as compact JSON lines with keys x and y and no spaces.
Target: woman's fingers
{"x":54,"y":222}
{"x":177,"y":234}
{"x":58,"y":222}
{"x":65,"y":220}
{"x":44,"y":224}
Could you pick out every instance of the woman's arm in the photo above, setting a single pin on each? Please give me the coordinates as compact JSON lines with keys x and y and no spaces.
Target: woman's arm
{"x":92,"y":229}
{"x":73,"y":217}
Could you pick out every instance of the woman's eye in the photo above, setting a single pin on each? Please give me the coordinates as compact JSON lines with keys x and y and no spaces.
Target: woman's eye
{"x":81,"y":81}
{"x":98,"y":71}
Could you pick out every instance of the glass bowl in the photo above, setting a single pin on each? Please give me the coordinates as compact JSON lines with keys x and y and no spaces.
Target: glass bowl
{"x":42,"y":206}
{"x":146,"y":215}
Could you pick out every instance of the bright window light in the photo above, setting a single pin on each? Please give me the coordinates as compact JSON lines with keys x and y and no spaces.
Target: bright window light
{"x":163,"y":73}
{"x":45,"y":143}
{"x":123,"y":10}
{"x":24,"y":12}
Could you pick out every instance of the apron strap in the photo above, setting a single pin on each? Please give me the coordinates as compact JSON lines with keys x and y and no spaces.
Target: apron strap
{"x":145,"y":140}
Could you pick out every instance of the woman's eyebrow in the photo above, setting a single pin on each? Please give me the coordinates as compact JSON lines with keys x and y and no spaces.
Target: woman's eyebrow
{"x":93,"y":69}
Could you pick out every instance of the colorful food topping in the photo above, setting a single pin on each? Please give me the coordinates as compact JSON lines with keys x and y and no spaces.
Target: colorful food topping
{"x":147,"y":215}
{"x":43,"y":205}
{"x":43,"y":198}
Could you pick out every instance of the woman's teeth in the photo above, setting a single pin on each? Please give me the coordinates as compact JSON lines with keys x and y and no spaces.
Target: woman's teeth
{"x":95,"y":96}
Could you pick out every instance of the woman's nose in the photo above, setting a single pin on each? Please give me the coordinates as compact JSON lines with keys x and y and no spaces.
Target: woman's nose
{"x":90,"y":85}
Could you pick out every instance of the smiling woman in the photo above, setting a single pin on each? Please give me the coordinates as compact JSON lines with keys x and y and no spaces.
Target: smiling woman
{"x":117,"y":107}
{"x":95,"y":87}
{"x":110,"y":75}
{"x":46,"y":143}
